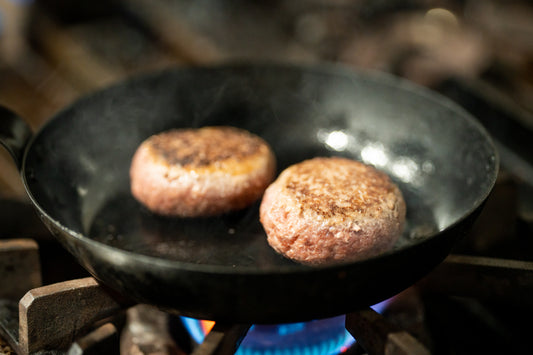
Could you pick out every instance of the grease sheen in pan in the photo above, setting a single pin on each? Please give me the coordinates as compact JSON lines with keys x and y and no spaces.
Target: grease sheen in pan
{"x":76,"y":173}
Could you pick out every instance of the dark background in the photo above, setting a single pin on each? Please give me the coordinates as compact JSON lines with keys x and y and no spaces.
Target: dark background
{"x":54,"y":51}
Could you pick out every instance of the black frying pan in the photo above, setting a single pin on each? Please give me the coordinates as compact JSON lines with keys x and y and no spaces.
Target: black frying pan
{"x":76,"y":173}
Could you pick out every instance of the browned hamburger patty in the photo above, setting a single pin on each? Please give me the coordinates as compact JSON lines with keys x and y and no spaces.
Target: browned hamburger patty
{"x":201,"y":172}
{"x":330,"y":210}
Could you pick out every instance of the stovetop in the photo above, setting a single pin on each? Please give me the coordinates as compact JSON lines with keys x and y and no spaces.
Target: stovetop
{"x":479,"y":54}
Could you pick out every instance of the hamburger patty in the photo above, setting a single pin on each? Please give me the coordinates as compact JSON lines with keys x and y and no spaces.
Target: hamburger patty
{"x":329,"y":210}
{"x":201,"y":172}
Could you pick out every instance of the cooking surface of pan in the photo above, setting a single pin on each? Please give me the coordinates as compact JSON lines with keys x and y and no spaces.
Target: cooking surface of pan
{"x":76,"y":171}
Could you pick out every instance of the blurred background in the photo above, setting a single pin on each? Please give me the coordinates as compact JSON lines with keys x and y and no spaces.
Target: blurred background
{"x":478,"y":53}
{"x":54,"y":51}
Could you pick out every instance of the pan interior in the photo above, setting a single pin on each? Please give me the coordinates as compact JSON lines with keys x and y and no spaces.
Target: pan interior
{"x":77,"y":168}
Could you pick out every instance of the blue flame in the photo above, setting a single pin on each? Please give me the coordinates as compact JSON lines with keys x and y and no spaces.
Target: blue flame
{"x":319,"y":337}
{"x":194,"y":328}
{"x":325,"y":336}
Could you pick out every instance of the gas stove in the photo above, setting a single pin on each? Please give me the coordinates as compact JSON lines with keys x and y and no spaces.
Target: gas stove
{"x":468,"y":304}
{"x":477,"y":301}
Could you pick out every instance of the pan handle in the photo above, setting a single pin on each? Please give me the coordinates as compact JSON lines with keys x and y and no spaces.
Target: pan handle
{"x":15,"y":134}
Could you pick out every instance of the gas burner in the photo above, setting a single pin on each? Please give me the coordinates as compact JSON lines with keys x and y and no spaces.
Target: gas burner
{"x":476,"y":301}
{"x":81,"y":316}
{"x":324,"y":336}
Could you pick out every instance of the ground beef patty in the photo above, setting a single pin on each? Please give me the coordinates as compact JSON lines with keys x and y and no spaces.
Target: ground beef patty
{"x":201,"y":172}
{"x":330,"y":210}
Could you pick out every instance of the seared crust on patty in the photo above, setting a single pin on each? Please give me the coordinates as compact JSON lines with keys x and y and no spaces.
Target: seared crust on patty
{"x":201,"y":172}
{"x":330,"y":210}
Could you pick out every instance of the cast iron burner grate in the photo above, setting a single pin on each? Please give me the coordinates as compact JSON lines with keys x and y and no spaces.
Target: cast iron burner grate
{"x":83,"y":317}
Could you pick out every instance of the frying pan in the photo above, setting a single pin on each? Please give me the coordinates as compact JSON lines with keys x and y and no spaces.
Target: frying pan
{"x":75,"y":171}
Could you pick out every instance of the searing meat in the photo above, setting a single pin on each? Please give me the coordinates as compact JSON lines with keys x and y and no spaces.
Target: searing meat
{"x":201,"y":172}
{"x":330,"y":210}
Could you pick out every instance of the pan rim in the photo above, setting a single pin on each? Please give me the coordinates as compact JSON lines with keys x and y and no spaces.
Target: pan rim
{"x":335,"y":69}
